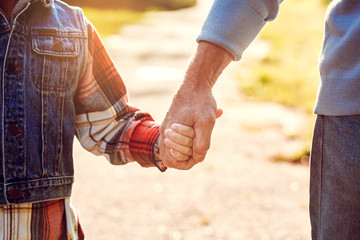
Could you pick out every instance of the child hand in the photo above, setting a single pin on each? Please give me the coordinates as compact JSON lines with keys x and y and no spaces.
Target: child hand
{"x":179,"y":138}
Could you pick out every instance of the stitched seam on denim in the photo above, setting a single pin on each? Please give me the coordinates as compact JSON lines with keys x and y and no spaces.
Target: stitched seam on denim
{"x":1,"y":12}
{"x":3,"y":97}
{"x":42,"y":120}
{"x":60,"y":129}
{"x":67,"y":34}
{"x":3,"y":114}
{"x":61,"y":178}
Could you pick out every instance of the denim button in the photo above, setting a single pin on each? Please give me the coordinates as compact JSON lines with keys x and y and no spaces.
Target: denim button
{"x":57,"y":46}
{"x":11,"y":68}
{"x":12,"y":130}
{"x":16,"y":194}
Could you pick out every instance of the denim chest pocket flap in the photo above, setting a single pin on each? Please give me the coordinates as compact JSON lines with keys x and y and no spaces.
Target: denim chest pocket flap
{"x":55,"y":61}
{"x":51,"y":43}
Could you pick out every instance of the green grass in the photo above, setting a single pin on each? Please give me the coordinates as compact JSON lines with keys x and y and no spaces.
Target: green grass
{"x":289,"y":74}
{"x":110,"y":21}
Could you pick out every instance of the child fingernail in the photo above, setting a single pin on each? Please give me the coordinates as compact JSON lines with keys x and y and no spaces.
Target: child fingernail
{"x":167,"y":132}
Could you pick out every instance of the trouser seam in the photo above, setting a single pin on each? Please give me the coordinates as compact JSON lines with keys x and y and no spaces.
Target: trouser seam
{"x":321,"y":170}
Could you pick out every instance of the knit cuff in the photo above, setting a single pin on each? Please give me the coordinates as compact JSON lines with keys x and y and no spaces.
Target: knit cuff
{"x":232,"y":25}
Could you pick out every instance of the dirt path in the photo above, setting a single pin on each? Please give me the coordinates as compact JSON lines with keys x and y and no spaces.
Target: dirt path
{"x":237,"y":193}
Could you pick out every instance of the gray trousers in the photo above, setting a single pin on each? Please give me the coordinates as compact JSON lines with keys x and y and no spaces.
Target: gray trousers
{"x":335,"y":178}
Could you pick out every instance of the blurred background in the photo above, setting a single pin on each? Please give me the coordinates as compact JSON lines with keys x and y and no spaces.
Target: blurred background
{"x":254,"y":181}
{"x":140,"y":5}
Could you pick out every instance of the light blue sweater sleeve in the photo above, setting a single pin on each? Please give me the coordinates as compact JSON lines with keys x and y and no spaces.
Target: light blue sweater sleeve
{"x":233,"y":24}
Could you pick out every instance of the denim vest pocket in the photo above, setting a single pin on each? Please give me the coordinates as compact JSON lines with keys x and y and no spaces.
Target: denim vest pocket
{"x":54,"y":58}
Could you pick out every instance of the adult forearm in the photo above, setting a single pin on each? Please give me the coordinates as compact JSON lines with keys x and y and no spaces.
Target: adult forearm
{"x":194,"y":104}
{"x":206,"y":65}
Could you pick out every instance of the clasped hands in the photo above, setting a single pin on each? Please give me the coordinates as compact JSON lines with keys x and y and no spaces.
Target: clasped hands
{"x":194,"y":109}
{"x":186,"y":131}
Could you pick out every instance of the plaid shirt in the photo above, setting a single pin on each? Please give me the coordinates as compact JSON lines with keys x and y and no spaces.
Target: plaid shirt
{"x":42,"y":221}
{"x":105,"y":125}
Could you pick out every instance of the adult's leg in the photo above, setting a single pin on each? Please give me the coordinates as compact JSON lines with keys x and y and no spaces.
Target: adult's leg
{"x":335,"y":178}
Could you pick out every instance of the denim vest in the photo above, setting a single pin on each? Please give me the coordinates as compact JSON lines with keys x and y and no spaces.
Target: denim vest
{"x":42,"y":56}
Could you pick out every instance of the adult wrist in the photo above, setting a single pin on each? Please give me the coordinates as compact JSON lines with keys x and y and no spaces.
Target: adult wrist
{"x":207,"y":65}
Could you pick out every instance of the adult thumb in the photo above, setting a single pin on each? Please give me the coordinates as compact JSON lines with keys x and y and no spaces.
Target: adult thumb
{"x":201,"y":143}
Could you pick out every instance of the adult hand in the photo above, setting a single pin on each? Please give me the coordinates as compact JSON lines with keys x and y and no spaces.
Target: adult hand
{"x":196,"y":108}
{"x":194,"y":104}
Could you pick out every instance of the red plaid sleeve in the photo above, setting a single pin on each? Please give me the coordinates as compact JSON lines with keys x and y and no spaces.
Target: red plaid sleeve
{"x":143,"y":140}
{"x":106,"y":123}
